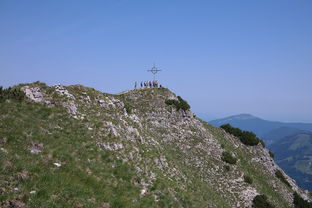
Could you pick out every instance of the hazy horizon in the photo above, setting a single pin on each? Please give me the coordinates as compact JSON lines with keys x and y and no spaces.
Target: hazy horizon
{"x":223,"y":57}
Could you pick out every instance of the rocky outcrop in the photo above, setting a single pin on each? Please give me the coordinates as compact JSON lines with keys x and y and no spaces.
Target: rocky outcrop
{"x":35,"y":94}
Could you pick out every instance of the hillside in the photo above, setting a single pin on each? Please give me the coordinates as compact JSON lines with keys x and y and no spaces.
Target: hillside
{"x":294,"y":155}
{"x":279,"y":137}
{"x":77,"y":147}
{"x":278,"y":134}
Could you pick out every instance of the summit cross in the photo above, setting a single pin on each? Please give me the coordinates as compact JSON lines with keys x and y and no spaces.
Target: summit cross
{"x":154,"y":71}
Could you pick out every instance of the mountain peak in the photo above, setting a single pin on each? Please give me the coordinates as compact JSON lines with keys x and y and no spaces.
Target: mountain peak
{"x":77,"y":146}
{"x":244,"y":116}
{"x":234,"y":118}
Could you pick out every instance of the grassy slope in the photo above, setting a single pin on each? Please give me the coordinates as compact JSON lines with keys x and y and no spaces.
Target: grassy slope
{"x":93,"y":177}
{"x":67,"y":141}
{"x":89,"y":176}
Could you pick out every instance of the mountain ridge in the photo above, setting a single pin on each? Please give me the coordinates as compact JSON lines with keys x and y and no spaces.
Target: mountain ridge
{"x":76,"y":146}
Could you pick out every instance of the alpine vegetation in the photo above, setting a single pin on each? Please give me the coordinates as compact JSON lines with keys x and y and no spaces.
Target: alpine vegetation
{"x":74,"y":146}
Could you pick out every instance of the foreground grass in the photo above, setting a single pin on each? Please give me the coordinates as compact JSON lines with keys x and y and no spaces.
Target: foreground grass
{"x":88,"y":176}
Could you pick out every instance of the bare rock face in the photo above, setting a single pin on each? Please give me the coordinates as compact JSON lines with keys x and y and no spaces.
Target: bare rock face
{"x":62,"y":91}
{"x":111,"y":103}
{"x":111,"y":146}
{"x":34,"y":93}
{"x":69,"y":102}
{"x":71,"y":107}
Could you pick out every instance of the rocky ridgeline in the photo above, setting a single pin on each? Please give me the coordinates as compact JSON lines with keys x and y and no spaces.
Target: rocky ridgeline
{"x":159,"y":141}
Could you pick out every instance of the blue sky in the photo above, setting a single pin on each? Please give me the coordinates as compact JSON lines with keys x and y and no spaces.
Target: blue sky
{"x":224,"y":56}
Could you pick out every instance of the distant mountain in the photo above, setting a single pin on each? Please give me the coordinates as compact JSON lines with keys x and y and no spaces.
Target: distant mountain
{"x":294,"y":155}
{"x":269,"y":131}
{"x":280,"y":133}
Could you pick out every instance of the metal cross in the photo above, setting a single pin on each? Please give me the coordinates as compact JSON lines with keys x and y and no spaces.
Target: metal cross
{"x":154,"y":70}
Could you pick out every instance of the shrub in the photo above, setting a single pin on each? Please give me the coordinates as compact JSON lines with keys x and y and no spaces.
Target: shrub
{"x":248,"y":179}
{"x":261,"y":201}
{"x":300,"y":202}
{"x":249,"y":138}
{"x":179,"y":104}
{"x":281,"y":176}
{"x":271,"y":154}
{"x":128,"y":108}
{"x":183,"y":104}
{"x":246,"y":137}
{"x":170,"y":102}
{"x":232,"y":130}
{"x":228,"y":158}
{"x":227,"y":168}
{"x":11,"y":94}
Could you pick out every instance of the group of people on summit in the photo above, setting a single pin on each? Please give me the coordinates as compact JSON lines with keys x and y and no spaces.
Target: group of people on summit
{"x":148,"y":84}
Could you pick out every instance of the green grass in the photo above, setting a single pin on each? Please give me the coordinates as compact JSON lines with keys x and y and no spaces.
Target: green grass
{"x":67,"y":186}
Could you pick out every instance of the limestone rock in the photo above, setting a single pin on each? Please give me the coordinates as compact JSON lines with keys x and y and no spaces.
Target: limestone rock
{"x":62,"y":91}
{"x":33,"y":93}
{"x":36,"y":148}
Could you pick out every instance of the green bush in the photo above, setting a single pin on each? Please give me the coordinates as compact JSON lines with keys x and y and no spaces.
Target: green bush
{"x":170,"y":102}
{"x":11,"y":94}
{"x":261,"y":201}
{"x":228,"y":158}
{"x":128,"y":108}
{"x":271,"y":154}
{"x":232,"y":130}
{"x":246,"y":137}
{"x":281,"y":176}
{"x":183,"y":104}
{"x":248,"y":179}
{"x":227,"y":168}
{"x":179,"y":104}
{"x":300,"y":202}
{"x":249,"y":138}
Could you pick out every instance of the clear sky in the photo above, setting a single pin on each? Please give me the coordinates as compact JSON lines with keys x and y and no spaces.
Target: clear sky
{"x":224,"y":56}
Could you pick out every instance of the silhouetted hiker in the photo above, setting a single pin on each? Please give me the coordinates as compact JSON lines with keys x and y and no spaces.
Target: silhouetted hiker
{"x":135,"y":85}
{"x":141,"y":84}
{"x":150,"y":84}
